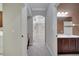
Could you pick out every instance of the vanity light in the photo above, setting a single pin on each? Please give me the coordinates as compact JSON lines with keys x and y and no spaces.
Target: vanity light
{"x":58,"y":13}
{"x":62,"y":14}
{"x":66,"y":13}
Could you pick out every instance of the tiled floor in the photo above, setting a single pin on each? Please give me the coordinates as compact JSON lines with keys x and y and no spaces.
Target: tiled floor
{"x":36,"y":50}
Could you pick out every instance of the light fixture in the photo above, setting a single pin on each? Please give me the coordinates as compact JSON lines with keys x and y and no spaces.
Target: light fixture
{"x":58,"y":13}
{"x":62,"y":14}
{"x":66,"y":13}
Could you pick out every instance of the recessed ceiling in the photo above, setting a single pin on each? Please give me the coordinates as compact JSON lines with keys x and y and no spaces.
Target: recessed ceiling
{"x":38,"y":8}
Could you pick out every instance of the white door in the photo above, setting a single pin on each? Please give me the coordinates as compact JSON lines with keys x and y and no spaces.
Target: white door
{"x":12,"y":40}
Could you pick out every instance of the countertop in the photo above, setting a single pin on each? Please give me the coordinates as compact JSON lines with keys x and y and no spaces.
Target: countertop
{"x":67,"y":36}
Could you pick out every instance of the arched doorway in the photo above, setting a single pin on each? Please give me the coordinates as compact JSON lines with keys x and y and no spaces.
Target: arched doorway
{"x":38,"y":30}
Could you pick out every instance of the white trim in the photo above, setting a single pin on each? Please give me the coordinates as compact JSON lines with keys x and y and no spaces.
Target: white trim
{"x":24,"y":30}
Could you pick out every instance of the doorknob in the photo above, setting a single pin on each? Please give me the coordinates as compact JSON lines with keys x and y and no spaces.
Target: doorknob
{"x":56,"y":35}
{"x":22,"y":36}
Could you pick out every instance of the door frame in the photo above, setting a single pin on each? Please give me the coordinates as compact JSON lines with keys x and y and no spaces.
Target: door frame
{"x":24,"y":30}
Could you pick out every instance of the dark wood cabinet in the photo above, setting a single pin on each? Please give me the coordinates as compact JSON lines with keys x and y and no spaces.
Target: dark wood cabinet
{"x":60,"y":47}
{"x":77,"y":45}
{"x":65,"y":45}
{"x":72,"y":44}
{"x":68,"y":45}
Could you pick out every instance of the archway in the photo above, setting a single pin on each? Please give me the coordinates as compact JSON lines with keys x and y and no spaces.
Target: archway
{"x":38,"y":29}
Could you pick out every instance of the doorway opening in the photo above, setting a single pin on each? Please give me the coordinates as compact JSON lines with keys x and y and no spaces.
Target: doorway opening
{"x":38,"y":29}
{"x":38,"y":42}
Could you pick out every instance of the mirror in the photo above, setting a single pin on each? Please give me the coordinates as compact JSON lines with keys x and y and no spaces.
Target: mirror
{"x":64,"y":25}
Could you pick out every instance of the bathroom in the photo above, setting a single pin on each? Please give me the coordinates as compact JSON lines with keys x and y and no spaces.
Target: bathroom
{"x":68,"y":28}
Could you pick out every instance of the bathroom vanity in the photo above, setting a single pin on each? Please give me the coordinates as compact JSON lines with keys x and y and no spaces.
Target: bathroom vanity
{"x":68,"y":44}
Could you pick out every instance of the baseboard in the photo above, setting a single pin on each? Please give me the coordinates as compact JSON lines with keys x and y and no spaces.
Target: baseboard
{"x":52,"y":54}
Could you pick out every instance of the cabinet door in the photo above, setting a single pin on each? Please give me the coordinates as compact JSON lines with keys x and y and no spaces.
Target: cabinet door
{"x":60,"y":45}
{"x":65,"y":45}
{"x":69,"y":45}
{"x":72,"y":45}
{"x":77,"y":45}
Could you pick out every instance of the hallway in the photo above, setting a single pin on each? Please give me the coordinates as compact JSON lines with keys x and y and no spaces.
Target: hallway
{"x":38,"y":48}
{"x":40,"y":36}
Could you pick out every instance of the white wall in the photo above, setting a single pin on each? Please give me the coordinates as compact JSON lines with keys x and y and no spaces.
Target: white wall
{"x":51,"y":29}
{"x":12,"y":42}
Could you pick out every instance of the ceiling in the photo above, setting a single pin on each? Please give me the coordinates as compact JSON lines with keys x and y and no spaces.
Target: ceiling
{"x":38,"y":8}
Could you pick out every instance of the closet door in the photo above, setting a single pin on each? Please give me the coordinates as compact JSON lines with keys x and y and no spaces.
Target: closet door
{"x":12,"y":40}
{"x":77,"y":45}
